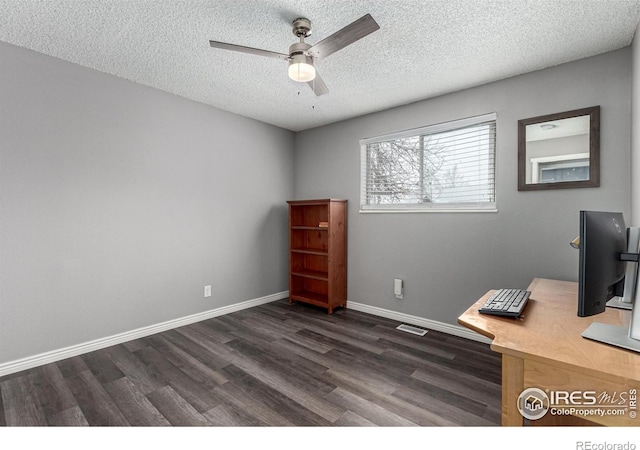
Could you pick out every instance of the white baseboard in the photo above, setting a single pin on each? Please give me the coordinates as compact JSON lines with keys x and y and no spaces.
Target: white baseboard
{"x":75,"y":350}
{"x":419,"y":321}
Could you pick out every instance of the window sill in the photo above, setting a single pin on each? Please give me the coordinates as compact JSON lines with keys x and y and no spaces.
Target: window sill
{"x":425,"y":210}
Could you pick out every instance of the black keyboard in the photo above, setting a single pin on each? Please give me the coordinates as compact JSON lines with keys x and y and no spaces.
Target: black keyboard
{"x":506,"y":302}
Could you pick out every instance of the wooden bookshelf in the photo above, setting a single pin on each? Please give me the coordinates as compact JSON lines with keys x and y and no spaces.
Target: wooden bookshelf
{"x":318,"y":252}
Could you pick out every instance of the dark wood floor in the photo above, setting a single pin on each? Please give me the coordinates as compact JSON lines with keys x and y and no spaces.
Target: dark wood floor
{"x":272,"y":365}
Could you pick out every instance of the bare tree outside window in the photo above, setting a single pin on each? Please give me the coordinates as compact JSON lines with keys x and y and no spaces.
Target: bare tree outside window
{"x":403,"y":171}
{"x":453,"y":166}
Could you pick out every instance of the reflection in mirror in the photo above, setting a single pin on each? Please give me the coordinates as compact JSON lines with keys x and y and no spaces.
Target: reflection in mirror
{"x":555,"y":151}
{"x":559,"y":150}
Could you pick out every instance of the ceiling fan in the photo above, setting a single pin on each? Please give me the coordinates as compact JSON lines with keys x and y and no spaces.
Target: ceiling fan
{"x":301,"y":55}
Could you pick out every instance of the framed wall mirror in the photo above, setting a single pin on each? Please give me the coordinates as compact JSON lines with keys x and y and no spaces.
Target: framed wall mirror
{"x":559,"y":151}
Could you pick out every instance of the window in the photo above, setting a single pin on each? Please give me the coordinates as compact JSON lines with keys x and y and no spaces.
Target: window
{"x":551,"y":169}
{"x":449,"y":166}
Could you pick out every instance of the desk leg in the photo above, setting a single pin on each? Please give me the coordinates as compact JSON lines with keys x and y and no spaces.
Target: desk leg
{"x":512,"y":386}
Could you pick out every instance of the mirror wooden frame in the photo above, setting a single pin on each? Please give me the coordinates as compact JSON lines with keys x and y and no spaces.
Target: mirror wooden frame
{"x":594,"y":150}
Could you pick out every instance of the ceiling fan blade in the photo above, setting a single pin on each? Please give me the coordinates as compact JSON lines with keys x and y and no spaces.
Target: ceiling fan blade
{"x":251,"y":50}
{"x":346,"y":36}
{"x":318,"y":86}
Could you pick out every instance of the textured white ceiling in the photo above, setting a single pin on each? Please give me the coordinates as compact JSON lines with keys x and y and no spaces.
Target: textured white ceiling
{"x":424,"y":48}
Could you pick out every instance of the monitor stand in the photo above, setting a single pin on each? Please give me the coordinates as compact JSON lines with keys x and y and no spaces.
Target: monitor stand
{"x":631,"y":271}
{"x":612,"y":335}
{"x":620,"y":303}
{"x":623,"y":337}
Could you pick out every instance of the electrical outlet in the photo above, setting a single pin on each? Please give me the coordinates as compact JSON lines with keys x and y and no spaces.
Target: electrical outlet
{"x":207,"y":291}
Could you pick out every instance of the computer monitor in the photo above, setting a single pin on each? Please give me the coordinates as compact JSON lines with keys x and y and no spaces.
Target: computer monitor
{"x":609,"y":258}
{"x":603,"y":238}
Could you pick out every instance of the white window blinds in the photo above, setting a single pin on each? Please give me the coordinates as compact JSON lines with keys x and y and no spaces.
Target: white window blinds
{"x":448,"y":166}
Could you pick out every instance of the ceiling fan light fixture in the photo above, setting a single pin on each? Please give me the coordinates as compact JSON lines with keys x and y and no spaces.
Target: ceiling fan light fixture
{"x":301,"y":68}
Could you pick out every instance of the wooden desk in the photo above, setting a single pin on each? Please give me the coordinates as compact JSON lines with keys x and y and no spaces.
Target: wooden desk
{"x":544,"y":349}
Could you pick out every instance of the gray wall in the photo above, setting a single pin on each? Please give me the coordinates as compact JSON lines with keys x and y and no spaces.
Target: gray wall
{"x":119,"y":203}
{"x":448,"y":260}
{"x":635,"y":132}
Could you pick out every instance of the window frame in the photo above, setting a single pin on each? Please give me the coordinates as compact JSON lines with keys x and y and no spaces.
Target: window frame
{"x":427,"y":206}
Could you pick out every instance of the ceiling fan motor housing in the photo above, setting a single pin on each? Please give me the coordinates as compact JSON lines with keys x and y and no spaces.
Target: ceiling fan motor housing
{"x":298,"y":54}
{"x":299,"y":48}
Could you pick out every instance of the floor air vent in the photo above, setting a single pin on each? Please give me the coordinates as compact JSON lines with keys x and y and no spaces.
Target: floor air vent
{"x":412,"y":330}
